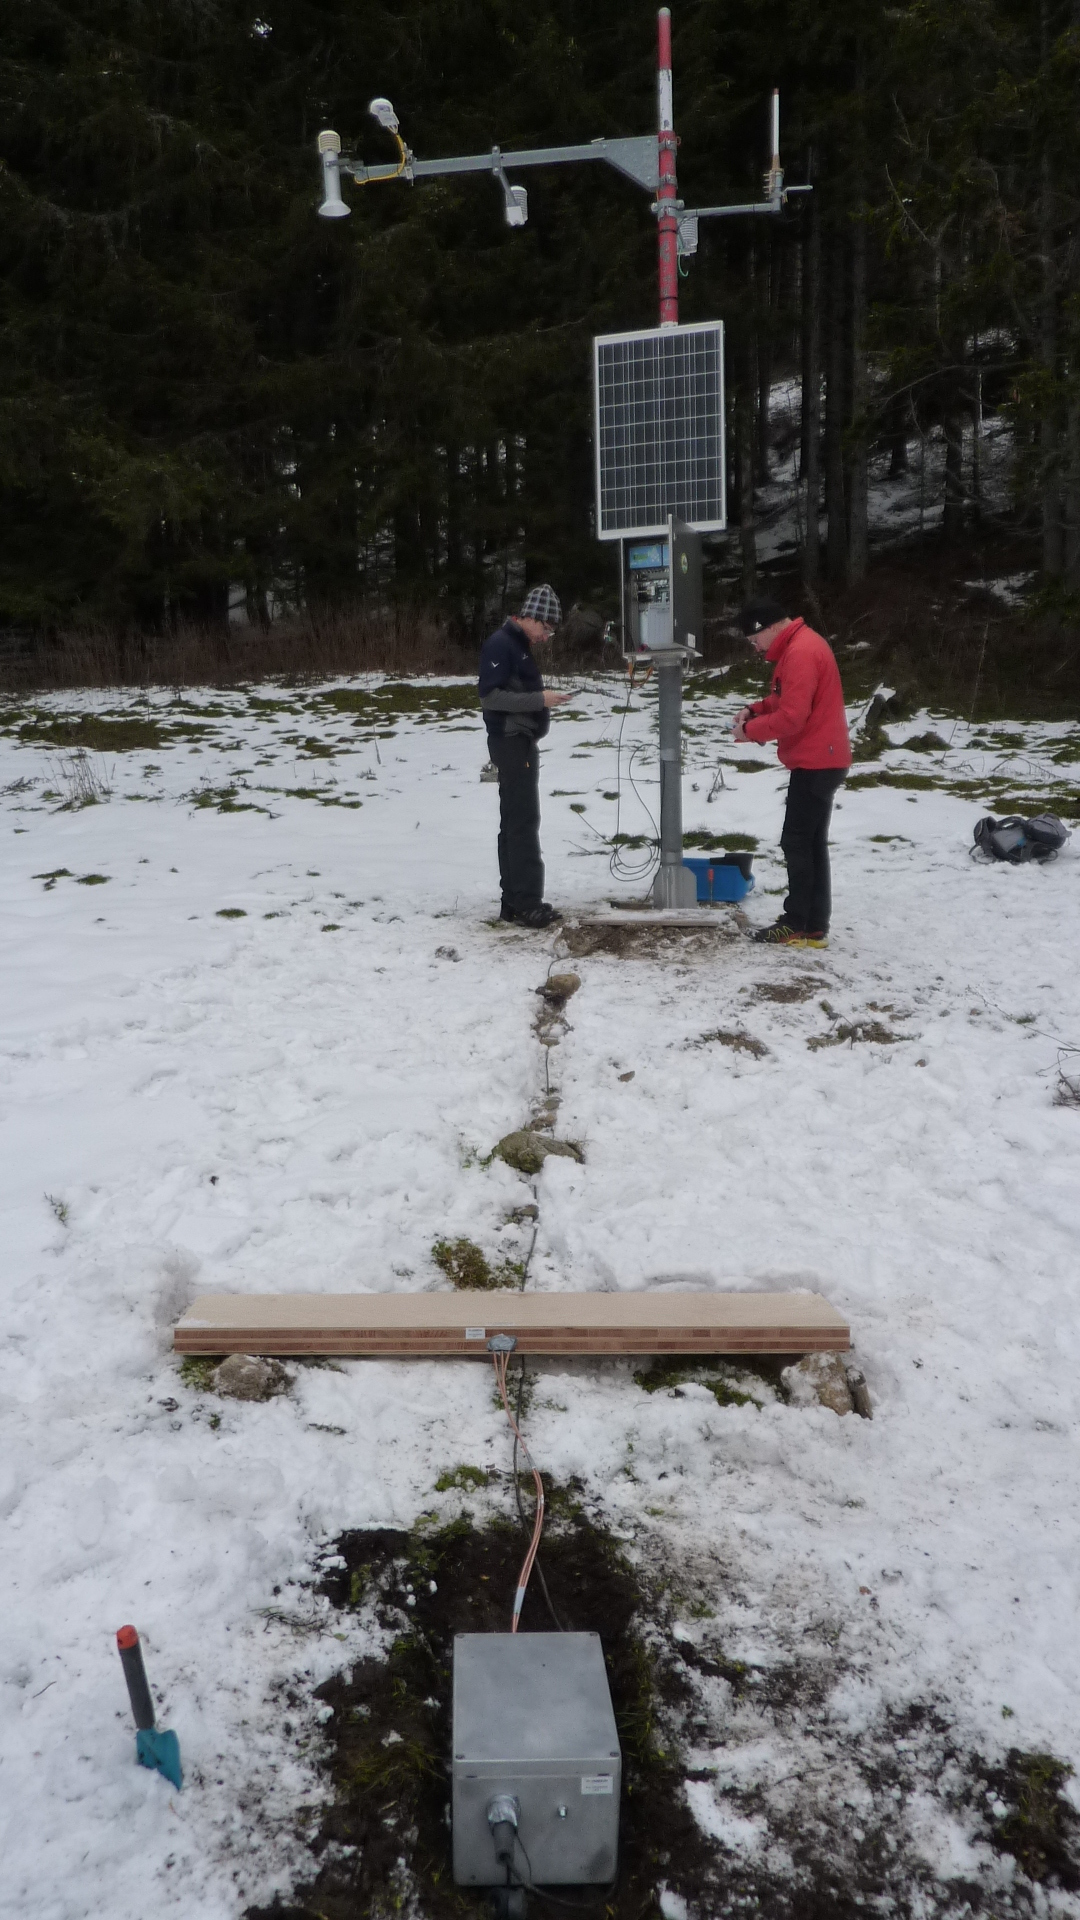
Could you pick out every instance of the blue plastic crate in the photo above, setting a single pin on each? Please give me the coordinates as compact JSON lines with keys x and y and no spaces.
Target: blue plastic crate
{"x":722,"y":876}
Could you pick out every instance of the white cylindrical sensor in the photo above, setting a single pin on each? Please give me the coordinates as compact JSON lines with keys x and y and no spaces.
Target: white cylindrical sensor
{"x":333,"y":206}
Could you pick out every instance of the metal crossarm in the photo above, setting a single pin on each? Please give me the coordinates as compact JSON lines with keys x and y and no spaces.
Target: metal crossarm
{"x":636,"y":157}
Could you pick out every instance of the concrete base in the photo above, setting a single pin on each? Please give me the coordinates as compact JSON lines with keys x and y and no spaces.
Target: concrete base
{"x":674,"y":887}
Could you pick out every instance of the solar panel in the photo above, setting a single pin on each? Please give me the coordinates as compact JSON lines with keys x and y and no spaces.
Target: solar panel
{"x":659,"y":430}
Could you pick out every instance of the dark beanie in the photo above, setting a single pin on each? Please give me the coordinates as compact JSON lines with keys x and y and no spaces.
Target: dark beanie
{"x":758,"y":614}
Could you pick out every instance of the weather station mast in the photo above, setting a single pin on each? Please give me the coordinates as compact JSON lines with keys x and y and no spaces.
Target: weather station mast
{"x":661,"y":478}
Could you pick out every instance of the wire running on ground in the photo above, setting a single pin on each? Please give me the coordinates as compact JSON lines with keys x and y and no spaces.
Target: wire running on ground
{"x":557,"y":1900}
{"x":500,"y":1361}
{"x":556,"y":1622}
{"x":619,"y":865}
{"x":515,"y":1417}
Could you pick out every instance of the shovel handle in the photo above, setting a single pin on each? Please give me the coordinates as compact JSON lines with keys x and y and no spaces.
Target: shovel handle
{"x":142,"y":1707}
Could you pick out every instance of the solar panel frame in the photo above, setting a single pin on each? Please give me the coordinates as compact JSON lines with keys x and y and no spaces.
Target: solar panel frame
{"x":658,"y":412}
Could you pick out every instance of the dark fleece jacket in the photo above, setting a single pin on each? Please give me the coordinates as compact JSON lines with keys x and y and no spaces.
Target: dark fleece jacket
{"x":511,"y":689}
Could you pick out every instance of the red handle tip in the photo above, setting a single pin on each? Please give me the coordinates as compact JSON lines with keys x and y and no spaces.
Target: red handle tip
{"x":127,"y":1637}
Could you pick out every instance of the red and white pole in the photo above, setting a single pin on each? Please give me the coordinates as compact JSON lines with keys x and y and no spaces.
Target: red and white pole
{"x":667,"y":220}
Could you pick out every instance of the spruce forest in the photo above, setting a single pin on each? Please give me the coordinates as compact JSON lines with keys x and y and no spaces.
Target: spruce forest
{"x":212,"y":397}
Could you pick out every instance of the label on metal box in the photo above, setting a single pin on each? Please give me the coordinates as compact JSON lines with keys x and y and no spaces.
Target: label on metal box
{"x":597,"y":1783}
{"x":475,"y":1333}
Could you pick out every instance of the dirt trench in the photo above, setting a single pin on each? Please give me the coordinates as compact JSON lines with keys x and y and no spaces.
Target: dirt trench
{"x":840,"y":1829}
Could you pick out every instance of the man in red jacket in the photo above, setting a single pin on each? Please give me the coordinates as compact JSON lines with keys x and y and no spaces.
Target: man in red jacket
{"x":804,"y":713}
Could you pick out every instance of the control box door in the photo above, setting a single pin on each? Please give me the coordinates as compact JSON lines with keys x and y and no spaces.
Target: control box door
{"x":684,"y":548}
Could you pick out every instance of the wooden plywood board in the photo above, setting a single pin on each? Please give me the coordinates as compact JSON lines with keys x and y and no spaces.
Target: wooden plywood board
{"x":395,"y":1325}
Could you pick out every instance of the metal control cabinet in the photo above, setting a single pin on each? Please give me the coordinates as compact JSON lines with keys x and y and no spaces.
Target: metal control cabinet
{"x":662,"y":591}
{"x":533,"y":1718}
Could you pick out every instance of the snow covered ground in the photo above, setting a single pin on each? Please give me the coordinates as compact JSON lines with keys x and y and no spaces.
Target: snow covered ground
{"x":303,"y":1095}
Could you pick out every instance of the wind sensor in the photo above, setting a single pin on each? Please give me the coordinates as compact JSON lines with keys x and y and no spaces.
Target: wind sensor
{"x":635,"y":158}
{"x":659,"y":400}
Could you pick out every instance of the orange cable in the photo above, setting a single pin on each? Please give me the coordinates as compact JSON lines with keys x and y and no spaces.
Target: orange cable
{"x":501,"y":1361}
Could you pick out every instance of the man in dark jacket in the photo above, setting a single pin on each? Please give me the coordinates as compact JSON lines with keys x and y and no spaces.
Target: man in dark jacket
{"x":516,"y":713}
{"x":803,"y":712}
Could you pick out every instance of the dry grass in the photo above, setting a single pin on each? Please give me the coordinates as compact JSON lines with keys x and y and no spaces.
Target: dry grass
{"x":316,"y":643}
{"x":922,"y":622}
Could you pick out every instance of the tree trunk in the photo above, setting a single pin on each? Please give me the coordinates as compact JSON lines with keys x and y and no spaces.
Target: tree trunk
{"x":1071,"y":554}
{"x":810,"y":465}
{"x":897,"y":437}
{"x":952,"y":518}
{"x":744,"y":453}
{"x":976,"y":439}
{"x":1049,"y":450}
{"x":768,"y":279}
{"x":836,"y":404}
{"x":858,"y":450}
{"x":455,"y":558}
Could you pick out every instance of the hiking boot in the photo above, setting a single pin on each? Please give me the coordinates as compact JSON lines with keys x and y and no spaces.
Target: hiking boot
{"x":780,"y":934}
{"x":538,"y":917}
{"x":809,"y":939}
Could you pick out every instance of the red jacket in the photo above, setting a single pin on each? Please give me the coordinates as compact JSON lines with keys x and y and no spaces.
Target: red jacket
{"x":804,"y":708}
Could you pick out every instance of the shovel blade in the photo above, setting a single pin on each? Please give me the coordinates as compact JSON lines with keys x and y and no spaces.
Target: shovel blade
{"x":160,"y":1751}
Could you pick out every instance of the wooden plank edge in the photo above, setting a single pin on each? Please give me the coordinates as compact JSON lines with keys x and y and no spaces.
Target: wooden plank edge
{"x":440,"y":1345}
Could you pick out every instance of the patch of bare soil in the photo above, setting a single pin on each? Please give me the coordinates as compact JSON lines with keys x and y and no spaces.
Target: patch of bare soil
{"x":738,"y":1041}
{"x":828,"y":1824}
{"x":849,"y":1032}
{"x":636,"y":942}
{"x":787,"y":993}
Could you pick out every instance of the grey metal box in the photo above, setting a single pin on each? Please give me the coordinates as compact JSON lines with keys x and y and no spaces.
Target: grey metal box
{"x":533,"y":1718}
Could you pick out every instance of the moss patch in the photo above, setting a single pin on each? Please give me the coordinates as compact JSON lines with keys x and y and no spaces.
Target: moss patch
{"x":924,"y":743}
{"x":670,"y":1376}
{"x":467,"y":1266}
{"x":401,"y":696}
{"x":468,"y":1479}
{"x":93,"y":734}
{"x":197,"y":1371}
{"x":1041,"y":1829}
{"x":223,"y":800}
{"x":730,"y":842}
{"x":915,"y":781}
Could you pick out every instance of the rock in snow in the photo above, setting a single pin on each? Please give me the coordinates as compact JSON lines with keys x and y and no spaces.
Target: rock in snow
{"x":245,"y":1376}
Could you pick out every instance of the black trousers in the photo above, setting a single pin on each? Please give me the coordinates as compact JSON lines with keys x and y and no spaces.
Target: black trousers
{"x":521,"y":866}
{"x":805,"y":842}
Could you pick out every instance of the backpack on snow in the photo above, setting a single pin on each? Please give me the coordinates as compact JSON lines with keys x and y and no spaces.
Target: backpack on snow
{"x":1016,"y":840}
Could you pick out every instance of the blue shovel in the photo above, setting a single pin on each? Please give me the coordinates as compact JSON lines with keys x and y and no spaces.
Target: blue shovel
{"x":153,"y":1748}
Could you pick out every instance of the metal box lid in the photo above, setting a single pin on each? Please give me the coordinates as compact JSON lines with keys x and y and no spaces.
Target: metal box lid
{"x":532,"y":1697}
